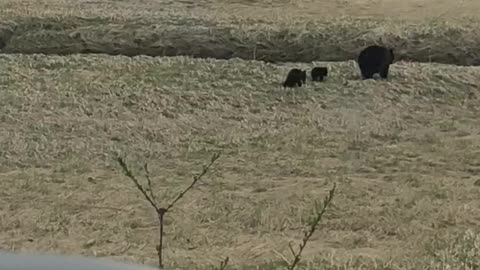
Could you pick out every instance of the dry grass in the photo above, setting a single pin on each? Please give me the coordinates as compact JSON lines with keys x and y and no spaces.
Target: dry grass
{"x":404,"y":153}
{"x":275,"y":31}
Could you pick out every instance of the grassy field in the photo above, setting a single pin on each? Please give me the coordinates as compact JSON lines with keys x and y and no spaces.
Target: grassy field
{"x":405,"y":153}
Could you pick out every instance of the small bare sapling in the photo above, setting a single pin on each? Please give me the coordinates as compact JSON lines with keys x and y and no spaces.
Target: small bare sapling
{"x":152,"y":199}
{"x":313,"y":222}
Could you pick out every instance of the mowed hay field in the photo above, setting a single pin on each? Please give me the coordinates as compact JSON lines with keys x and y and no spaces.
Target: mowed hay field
{"x":404,"y":153}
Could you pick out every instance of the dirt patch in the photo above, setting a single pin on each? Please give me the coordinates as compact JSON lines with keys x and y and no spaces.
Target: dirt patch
{"x":6,"y":33}
{"x":293,"y":41}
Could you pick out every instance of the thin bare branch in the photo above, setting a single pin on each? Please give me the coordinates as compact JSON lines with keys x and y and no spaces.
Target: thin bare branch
{"x":130,"y":175}
{"x":313,"y":226}
{"x":291,"y":249}
{"x":150,"y":197}
{"x":149,"y":183}
{"x":195,"y":180}
{"x":224,"y":263}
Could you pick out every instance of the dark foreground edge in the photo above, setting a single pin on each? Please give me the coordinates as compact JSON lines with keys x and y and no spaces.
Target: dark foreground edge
{"x":25,"y":261}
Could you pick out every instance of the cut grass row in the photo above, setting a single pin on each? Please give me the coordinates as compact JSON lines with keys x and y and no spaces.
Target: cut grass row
{"x":291,"y":40}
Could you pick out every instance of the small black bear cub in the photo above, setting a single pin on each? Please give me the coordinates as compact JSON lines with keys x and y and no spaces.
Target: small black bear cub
{"x":318,"y":73}
{"x":375,"y":59}
{"x":295,"y":77}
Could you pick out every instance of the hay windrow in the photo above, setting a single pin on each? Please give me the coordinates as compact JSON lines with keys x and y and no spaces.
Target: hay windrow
{"x":173,"y":34}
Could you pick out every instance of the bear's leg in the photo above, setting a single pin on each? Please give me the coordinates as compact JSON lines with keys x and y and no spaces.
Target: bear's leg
{"x":384,"y":72}
{"x":367,"y":74}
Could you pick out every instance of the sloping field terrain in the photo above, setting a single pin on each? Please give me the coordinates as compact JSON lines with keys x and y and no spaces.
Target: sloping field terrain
{"x":403,"y":152}
{"x":274,"y":31}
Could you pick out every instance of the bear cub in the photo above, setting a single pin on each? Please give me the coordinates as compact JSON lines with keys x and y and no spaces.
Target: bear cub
{"x":375,"y":59}
{"x":295,"y":77}
{"x":318,"y":73}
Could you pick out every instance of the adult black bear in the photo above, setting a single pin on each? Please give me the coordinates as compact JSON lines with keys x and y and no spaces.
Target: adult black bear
{"x":375,"y":59}
{"x":295,"y":77}
{"x":318,"y":73}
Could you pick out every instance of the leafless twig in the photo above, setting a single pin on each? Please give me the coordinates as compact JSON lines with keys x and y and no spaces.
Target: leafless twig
{"x":223,"y":264}
{"x":196,"y":178}
{"x":313,"y":223}
{"x":149,"y":183}
{"x":132,"y":177}
{"x":150,"y":196}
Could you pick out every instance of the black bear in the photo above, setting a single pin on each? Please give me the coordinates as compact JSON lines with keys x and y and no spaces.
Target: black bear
{"x":375,"y":59}
{"x":318,"y":73}
{"x":295,"y":77}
